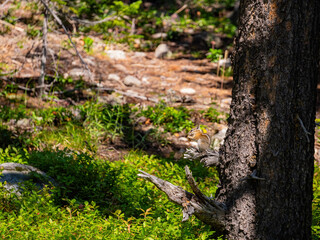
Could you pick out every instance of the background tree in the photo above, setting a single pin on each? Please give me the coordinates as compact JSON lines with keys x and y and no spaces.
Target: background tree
{"x":271,"y":128}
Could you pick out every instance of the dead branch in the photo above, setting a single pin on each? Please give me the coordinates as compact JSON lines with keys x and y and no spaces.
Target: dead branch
{"x":2,"y":5}
{"x":87,"y":22}
{"x":208,"y":158}
{"x":66,"y":31}
{"x":44,"y":54}
{"x":205,"y":209}
{"x":199,"y":194}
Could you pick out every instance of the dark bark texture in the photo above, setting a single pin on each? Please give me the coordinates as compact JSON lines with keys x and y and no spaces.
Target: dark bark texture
{"x":271,"y":125}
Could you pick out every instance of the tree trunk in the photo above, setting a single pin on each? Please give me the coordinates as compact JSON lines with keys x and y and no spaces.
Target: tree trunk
{"x":271,"y":124}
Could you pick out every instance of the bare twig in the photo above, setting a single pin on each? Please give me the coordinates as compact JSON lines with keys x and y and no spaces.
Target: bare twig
{"x":11,"y":26}
{"x":44,"y":54}
{"x":180,"y":9}
{"x":3,"y":4}
{"x":87,"y":22}
{"x":65,"y":30}
{"x":224,"y":67}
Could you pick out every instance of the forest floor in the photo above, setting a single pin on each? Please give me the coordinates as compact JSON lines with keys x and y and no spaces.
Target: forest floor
{"x":181,"y":80}
{"x":124,"y":76}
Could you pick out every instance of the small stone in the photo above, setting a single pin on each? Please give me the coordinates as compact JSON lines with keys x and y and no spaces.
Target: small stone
{"x":188,"y":91}
{"x":162,"y":51}
{"x":77,"y":73}
{"x":24,"y":123}
{"x":139,"y":55}
{"x":116,"y":54}
{"x":145,"y":80}
{"x":121,"y":68}
{"x":113,"y":77}
{"x":131,"y":81}
{"x":159,"y":35}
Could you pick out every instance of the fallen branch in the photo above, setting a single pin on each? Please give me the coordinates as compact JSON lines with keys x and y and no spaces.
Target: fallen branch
{"x":87,"y":22}
{"x":204,"y":208}
{"x":2,"y":5}
{"x":12,"y":26}
{"x":208,"y":158}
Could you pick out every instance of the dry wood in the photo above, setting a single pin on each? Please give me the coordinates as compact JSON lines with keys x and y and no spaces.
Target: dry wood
{"x":203,"y":209}
{"x":66,"y":31}
{"x":44,"y":54}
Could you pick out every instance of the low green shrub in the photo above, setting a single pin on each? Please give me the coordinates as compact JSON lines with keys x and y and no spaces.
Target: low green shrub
{"x":170,"y":118}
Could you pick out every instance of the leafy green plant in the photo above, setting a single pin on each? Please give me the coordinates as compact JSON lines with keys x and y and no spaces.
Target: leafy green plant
{"x":170,"y":118}
{"x":88,"y":42}
{"x":213,"y":115}
{"x":214,"y":54}
{"x":316,"y":204}
{"x":33,"y":32}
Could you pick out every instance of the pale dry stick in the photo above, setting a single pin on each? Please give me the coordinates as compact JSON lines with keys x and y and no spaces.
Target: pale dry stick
{"x":133,"y":26}
{"x":87,"y":22}
{"x":224,"y":67}
{"x":181,"y":9}
{"x":44,"y":54}
{"x":73,"y":44}
{"x":218,"y":69}
{"x":2,"y":5}
{"x":11,"y":26}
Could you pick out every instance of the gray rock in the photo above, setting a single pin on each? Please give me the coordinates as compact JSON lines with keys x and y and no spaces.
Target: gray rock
{"x":116,"y":54}
{"x":78,"y":73}
{"x":139,"y":55}
{"x":159,"y":35}
{"x":24,"y":123}
{"x":131,"y":81}
{"x":188,"y":91}
{"x":162,"y":51}
{"x":121,"y":68}
{"x":15,"y":174}
{"x":145,"y":80}
{"x":113,"y":77}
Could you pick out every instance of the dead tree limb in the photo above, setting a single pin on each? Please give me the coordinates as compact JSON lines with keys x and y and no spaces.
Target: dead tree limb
{"x":208,"y":158}
{"x":66,"y":31}
{"x":44,"y":54}
{"x":92,"y":23}
{"x":207,"y":210}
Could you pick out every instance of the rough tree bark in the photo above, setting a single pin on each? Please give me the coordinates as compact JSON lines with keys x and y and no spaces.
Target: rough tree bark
{"x":271,"y":125}
{"x":266,"y":163}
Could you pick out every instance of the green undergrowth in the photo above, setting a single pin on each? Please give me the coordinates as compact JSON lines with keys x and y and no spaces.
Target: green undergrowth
{"x":100,"y":200}
{"x":84,"y":127}
{"x":316,"y":204}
